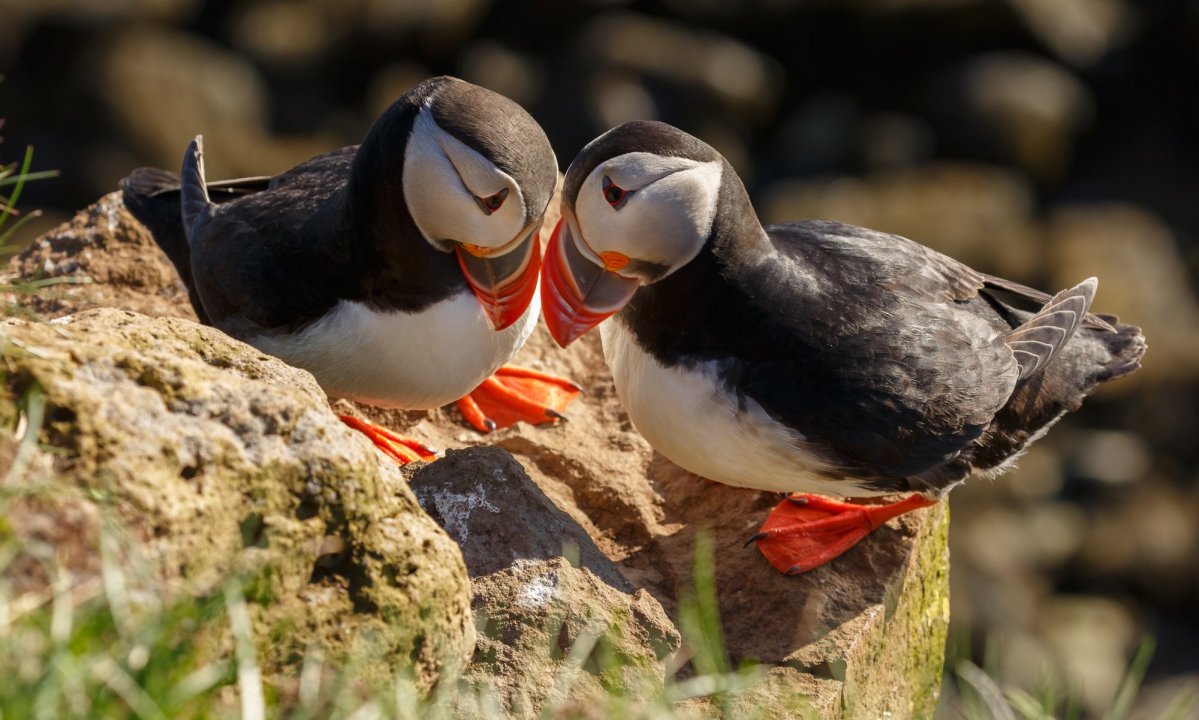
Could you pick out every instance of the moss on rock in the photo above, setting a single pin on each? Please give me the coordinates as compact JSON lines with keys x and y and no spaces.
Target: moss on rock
{"x":219,"y":459}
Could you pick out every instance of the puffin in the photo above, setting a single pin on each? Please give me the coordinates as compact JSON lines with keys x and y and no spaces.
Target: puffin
{"x":810,"y":358}
{"x":400,"y":272}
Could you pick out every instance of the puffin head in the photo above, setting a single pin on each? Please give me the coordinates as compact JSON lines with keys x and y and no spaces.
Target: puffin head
{"x":638,"y":203}
{"x":478,"y":175}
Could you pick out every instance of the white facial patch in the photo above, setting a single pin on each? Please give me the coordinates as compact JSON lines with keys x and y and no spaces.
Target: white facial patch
{"x":665,"y":216}
{"x":442,"y":179}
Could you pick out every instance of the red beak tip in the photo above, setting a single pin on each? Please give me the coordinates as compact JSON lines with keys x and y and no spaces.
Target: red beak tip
{"x":502,"y":321}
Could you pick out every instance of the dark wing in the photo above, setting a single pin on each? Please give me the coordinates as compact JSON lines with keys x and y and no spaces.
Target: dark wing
{"x":277,"y":259}
{"x":1024,"y":293}
{"x":874,"y":346}
{"x":152,"y":196}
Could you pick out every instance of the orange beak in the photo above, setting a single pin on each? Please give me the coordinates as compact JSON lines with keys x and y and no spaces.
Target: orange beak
{"x":503,"y":284}
{"x":577,"y":294}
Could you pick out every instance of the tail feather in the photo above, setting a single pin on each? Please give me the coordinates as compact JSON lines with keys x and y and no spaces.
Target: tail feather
{"x":194,"y":202}
{"x":1038,"y":341}
{"x":170,"y":206}
{"x":1095,"y":356}
{"x":148,"y":182}
{"x":152,"y":196}
{"x":1127,"y":346}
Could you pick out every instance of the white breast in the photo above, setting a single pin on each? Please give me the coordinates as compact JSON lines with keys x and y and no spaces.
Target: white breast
{"x":688,"y":416}
{"x":408,"y":360}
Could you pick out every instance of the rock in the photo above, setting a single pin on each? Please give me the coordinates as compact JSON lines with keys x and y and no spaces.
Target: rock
{"x":535,"y":614}
{"x":1079,"y":31}
{"x":1116,"y":457}
{"x":831,"y":131}
{"x":502,"y":69}
{"x":819,"y":136}
{"x":101,"y":257}
{"x":1160,"y":697}
{"x":219,"y":459}
{"x":1160,"y":556}
{"x":891,"y":140}
{"x":20,"y":14}
{"x":498,"y":516}
{"x":440,"y":22}
{"x":867,"y":630}
{"x":1143,"y":279}
{"x":1016,"y":108}
{"x":388,"y":83}
{"x":212,"y":91}
{"x":279,"y":33}
{"x":734,"y":74}
{"x":1096,"y":661}
{"x":533,"y":604}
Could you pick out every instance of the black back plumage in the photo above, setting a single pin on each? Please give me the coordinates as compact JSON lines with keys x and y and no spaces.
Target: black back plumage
{"x":897,"y":363}
{"x":152,"y":196}
{"x":277,"y":253}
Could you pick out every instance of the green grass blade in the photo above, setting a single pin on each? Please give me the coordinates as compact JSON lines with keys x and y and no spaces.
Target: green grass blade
{"x":1029,"y":707}
{"x":987,"y":690}
{"x":24,"y":177}
{"x":114,"y":676}
{"x":249,"y":678}
{"x":1184,"y":703}
{"x":699,"y":613}
{"x":1130,"y":685}
{"x":18,"y":183}
{"x":15,"y":227}
{"x":33,"y":409}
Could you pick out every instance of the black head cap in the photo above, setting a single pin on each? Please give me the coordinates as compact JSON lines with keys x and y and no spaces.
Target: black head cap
{"x":485,"y":121}
{"x":649,"y":136}
{"x":500,"y":130}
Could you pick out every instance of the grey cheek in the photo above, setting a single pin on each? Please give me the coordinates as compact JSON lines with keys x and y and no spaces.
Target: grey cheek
{"x":648,"y":271}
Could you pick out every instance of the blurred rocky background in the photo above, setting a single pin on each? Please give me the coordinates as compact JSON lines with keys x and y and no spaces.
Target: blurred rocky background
{"x":1044,"y":140}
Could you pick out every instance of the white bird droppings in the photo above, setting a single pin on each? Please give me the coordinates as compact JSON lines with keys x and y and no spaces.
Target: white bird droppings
{"x":539,"y":591}
{"x":455,"y":510}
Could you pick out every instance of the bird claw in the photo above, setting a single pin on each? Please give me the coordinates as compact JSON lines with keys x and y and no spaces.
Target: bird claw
{"x":754,"y":538}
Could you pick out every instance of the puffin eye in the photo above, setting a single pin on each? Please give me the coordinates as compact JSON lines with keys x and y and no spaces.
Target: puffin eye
{"x":615,"y":194}
{"x":491,"y":203}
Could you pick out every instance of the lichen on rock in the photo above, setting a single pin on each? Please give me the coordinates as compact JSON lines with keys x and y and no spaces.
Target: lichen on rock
{"x":541,"y":590}
{"x":219,"y":460}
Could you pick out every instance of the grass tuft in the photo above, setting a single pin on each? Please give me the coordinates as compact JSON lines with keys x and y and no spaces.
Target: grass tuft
{"x":15,"y":176}
{"x":982,"y":697}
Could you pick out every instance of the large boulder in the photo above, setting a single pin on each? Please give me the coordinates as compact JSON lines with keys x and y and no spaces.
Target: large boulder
{"x":217,"y":459}
{"x":542,"y":589}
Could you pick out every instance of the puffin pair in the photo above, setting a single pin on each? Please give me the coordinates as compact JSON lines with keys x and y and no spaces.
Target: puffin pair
{"x":810,"y":356}
{"x":802,"y":357}
{"x":400,"y":272}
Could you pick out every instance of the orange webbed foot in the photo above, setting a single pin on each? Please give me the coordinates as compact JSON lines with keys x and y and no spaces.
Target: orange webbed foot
{"x":514,"y":394}
{"x":806,"y":531}
{"x":397,"y":447}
